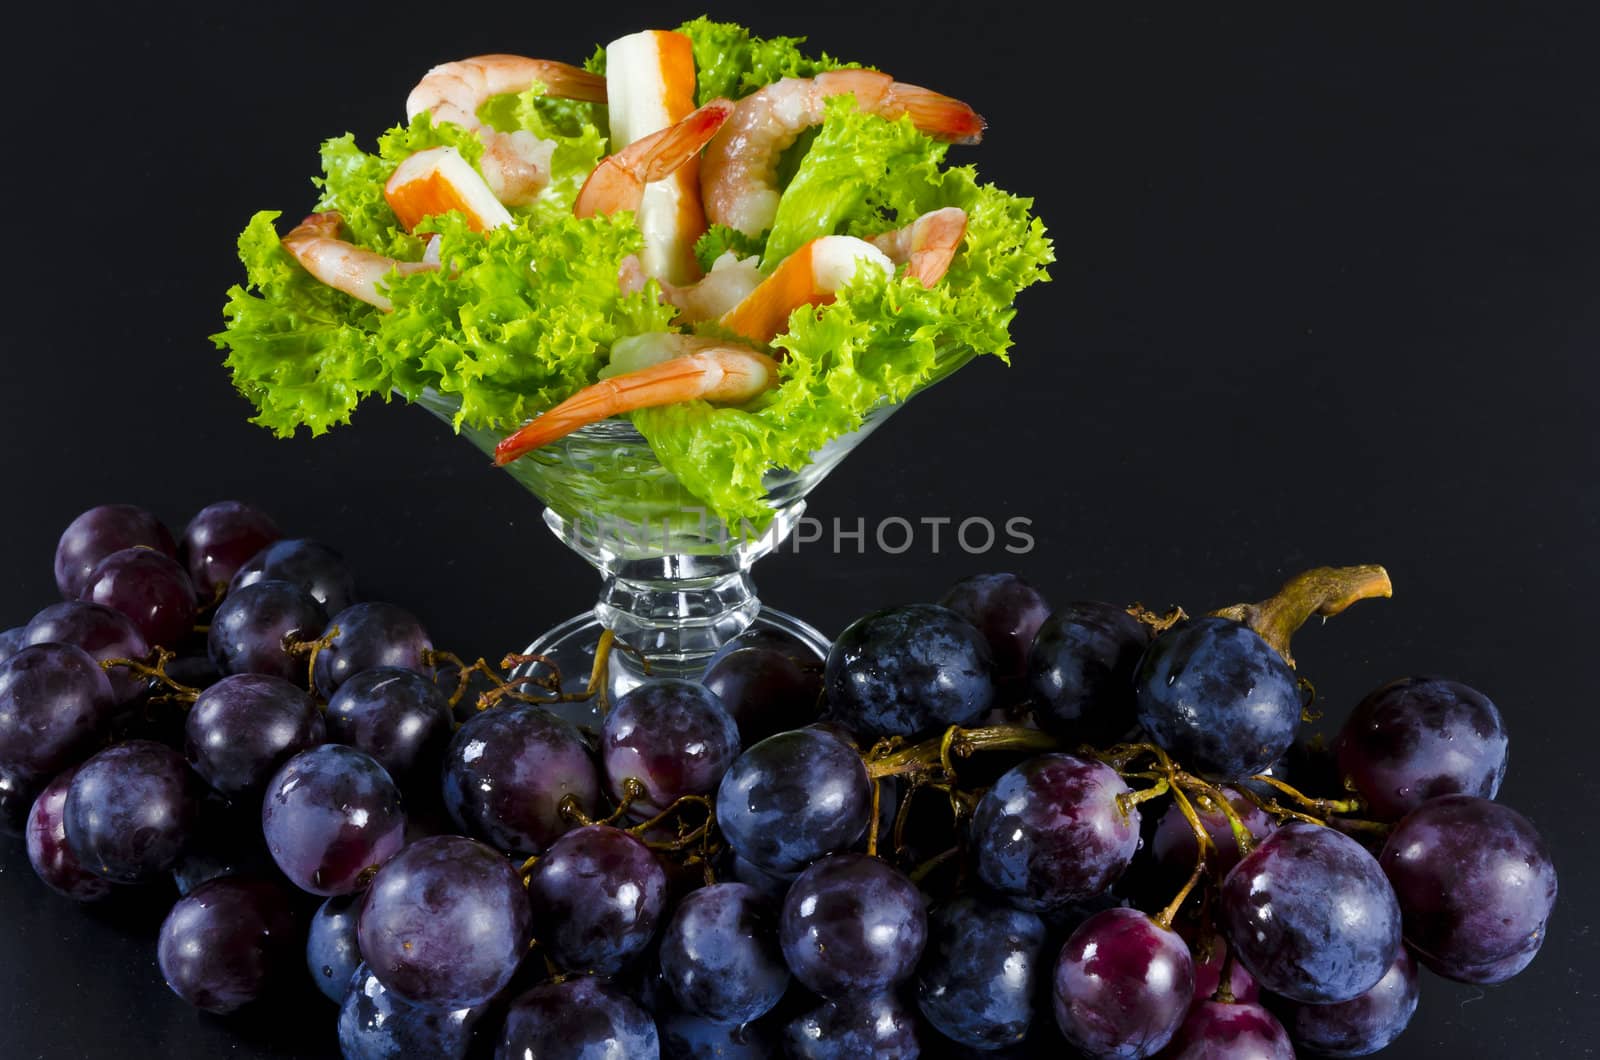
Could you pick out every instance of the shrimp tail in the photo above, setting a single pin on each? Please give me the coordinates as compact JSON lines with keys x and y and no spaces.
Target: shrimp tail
{"x":618,"y":182}
{"x":660,"y":154}
{"x":724,"y":374}
{"x":939,"y":115}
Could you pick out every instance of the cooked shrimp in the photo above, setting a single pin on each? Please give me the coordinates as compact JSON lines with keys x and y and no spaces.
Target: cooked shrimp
{"x":738,"y":177}
{"x":927,"y":245}
{"x":707,"y":370}
{"x":811,"y":275}
{"x":316,"y":245}
{"x":729,"y":282}
{"x":517,"y":164}
{"x":618,"y":182}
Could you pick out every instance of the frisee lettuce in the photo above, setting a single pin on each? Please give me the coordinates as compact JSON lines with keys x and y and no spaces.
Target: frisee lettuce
{"x":732,"y":63}
{"x":524,"y":317}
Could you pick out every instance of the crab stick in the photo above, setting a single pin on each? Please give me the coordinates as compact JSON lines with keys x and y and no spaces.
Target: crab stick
{"x":650,"y":85}
{"x":439,"y":180}
{"x":811,"y":275}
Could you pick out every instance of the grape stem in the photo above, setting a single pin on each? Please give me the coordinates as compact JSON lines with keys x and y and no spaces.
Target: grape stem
{"x":1202,"y":838}
{"x":1324,"y":591}
{"x":1158,"y":621}
{"x":872,"y":828}
{"x":310,"y":649}
{"x":1166,"y":916}
{"x":1224,"y":991}
{"x":956,"y":742}
{"x":1214,"y":794}
{"x":157,"y":670}
{"x":1327,"y":807}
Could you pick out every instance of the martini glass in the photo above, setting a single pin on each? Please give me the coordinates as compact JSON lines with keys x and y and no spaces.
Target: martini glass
{"x":675,"y":579}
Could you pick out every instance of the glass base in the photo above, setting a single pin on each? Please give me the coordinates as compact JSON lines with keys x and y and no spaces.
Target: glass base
{"x":571,"y":646}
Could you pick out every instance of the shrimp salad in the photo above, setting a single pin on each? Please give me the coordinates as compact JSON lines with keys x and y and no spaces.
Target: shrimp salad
{"x":743,"y":248}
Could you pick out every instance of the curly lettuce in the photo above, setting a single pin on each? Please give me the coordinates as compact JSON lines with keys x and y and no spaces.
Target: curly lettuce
{"x":521,"y":318}
{"x":730,"y":62}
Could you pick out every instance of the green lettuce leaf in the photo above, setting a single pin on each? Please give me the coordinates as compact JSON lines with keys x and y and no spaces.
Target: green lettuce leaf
{"x":300,"y":351}
{"x":858,"y":166}
{"x":717,"y":240}
{"x":519,"y":320}
{"x":732,"y":63}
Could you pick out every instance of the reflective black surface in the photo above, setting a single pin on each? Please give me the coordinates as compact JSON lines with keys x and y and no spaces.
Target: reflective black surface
{"x":1328,"y":292}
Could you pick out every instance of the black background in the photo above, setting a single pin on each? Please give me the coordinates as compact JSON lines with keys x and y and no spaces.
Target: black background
{"x":1328,"y":292}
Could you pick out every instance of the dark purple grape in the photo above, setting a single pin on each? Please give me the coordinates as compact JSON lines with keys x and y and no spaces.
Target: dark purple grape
{"x":1051,"y":832}
{"x":1007,"y":611}
{"x":1218,"y":698}
{"x":1174,"y":845}
{"x":12,"y":641}
{"x":685,"y":1036}
{"x":1476,"y":886}
{"x":54,"y":703}
{"x":577,"y":1019}
{"x":397,"y":716}
{"x":598,"y":894}
{"x":369,"y":636}
{"x":507,"y":771}
{"x":977,"y":977}
{"x":243,"y":728}
{"x":792,"y":798}
{"x":332,"y":950}
{"x":331,"y":814}
{"x":314,"y":567}
{"x":222,"y":538}
{"x":720,"y":955}
{"x":879,"y":1025}
{"x":1123,"y":984}
{"x":673,"y":737}
{"x":97,"y":533}
{"x":18,"y":789}
{"x":852,"y":925}
{"x":227,"y":942}
{"x":1311,"y":915}
{"x":374,"y":1024}
{"x":130,"y":810}
{"x":766,"y":690}
{"x":100,"y":631}
{"x":1081,"y":669}
{"x":1362,"y":1025}
{"x":908,"y":670}
{"x":151,"y":589}
{"x":445,"y":923}
{"x":1418,"y":738}
{"x":253,"y":628}
{"x":767,"y":638}
{"x":52,"y":859}
{"x":1238,"y":1031}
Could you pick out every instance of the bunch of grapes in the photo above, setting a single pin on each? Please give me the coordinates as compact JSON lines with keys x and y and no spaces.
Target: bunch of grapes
{"x":980,"y":826}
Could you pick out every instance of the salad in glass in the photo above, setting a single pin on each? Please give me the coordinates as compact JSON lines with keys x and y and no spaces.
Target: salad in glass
{"x":746,"y":250}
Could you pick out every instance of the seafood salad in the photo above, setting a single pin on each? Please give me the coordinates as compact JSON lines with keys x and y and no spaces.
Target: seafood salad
{"x":744,"y":248}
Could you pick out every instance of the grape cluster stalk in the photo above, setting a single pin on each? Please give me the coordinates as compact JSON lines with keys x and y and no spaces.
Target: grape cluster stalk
{"x":983,"y":824}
